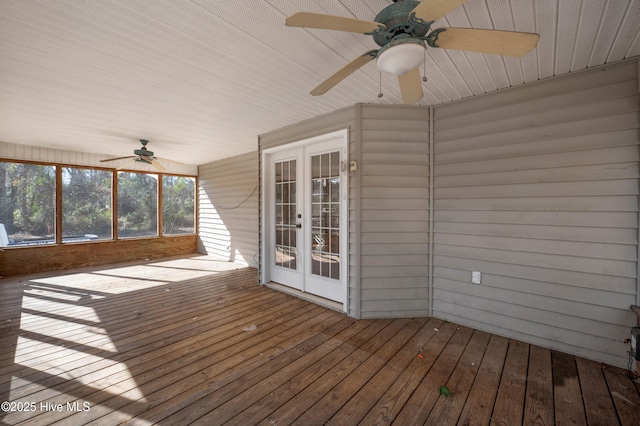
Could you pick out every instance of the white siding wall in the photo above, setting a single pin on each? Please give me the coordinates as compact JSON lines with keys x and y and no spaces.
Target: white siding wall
{"x":537,"y":188}
{"x":228,"y":209}
{"x":395,"y":211}
{"x":388,"y":204}
{"x":47,"y":155}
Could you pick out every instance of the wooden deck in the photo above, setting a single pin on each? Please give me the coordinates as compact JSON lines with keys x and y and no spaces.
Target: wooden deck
{"x":194,"y":341}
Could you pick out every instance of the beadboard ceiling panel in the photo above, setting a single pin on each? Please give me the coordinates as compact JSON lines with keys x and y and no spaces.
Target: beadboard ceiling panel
{"x":202,"y":78}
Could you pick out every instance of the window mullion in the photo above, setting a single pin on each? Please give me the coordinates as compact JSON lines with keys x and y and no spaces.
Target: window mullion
{"x":114,"y":205}
{"x":160,"y":204}
{"x":58,"y":198}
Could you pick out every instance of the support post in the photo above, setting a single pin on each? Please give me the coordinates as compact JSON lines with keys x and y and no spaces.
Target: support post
{"x":431,"y":204}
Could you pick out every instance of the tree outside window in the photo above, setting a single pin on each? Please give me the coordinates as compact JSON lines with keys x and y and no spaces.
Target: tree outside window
{"x":178,"y":205}
{"x":86,"y":204}
{"x":28,"y":195}
{"x":27,"y":203}
{"x":137,"y":205}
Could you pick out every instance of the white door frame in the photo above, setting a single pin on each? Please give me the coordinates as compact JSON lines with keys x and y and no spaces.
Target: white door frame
{"x":339,"y":138}
{"x":294,"y":277}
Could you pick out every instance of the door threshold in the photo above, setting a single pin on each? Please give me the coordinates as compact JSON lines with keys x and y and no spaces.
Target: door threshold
{"x":327,"y":303}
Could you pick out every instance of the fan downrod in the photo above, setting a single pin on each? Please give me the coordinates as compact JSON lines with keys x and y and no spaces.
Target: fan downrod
{"x":143,"y":151}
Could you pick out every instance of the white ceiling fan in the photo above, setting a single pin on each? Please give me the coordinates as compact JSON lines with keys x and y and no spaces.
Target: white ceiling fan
{"x":402,"y":30}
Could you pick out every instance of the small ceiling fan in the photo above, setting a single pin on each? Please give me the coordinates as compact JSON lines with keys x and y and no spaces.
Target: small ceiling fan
{"x":142,"y":155}
{"x":401,"y":30}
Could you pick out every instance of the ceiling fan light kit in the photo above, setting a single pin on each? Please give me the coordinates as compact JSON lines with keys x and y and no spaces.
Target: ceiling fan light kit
{"x":402,"y":30}
{"x":401,"y":56}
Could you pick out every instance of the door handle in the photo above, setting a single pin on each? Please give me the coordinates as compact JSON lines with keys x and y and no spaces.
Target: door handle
{"x":298,"y":225}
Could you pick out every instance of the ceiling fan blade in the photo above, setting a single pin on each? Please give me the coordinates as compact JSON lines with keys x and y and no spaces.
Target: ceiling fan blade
{"x":169,"y":161}
{"x":127,"y":163}
{"x":342,"y":73}
{"x":432,"y":10}
{"x":117,"y":158}
{"x":330,"y":22}
{"x":157,"y":164}
{"x":507,"y":43}
{"x":411,"y":86}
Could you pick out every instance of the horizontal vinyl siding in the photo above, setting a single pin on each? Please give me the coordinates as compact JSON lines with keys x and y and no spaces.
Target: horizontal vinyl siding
{"x":48,"y":155}
{"x":537,"y":188}
{"x":395,"y":211}
{"x":228,"y":209}
{"x":338,"y":120}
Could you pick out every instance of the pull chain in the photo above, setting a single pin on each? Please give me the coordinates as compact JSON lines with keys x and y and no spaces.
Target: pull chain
{"x":380,"y":85}
{"x":424,"y":65}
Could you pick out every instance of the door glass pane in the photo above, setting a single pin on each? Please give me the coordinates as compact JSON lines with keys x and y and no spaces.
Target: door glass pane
{"x":285,"y":223}
{"x":325,"y":213}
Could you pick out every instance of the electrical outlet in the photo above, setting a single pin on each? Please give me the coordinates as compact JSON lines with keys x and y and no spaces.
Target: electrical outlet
{"x":476,"y":277}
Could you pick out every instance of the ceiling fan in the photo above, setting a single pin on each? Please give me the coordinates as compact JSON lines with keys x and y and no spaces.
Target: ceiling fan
{"x":401,"y":30}
{"x":142,"y":155}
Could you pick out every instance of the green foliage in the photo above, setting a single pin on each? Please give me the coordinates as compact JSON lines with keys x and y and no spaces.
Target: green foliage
{"x":137,"y":204}
{"x":28,"y":205}
{"x":86,"y":202}
{"x":178,"y":204}
{"x":443,"y":390}
{"x":27,"y":192}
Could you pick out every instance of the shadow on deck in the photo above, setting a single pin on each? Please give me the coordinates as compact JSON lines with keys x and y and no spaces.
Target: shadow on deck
{"x":194,"y":341}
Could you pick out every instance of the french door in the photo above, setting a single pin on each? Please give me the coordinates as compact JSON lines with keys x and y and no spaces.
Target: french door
{"x":306,"y":224}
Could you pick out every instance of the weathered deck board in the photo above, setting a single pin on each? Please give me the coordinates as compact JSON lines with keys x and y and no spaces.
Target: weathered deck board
{"x":481,"y":400}
{"x":624,"y":394}
{"x":509,"y":406}
{"x":395,"y":397}
{"x":538,"y":407}
{"x":447,"y":410}
{"x":597,"y":400}
{"x":164,"y":343}
{"x":569,"y":408}
{"x":362,"y":402}
{"x":351,"y":389}
{"x":295,"y":384}
{"x":352,"y":373}
{"x":421,"y":402}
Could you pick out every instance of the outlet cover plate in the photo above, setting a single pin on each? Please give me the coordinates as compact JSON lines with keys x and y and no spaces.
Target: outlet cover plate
{"x":476,"y":277}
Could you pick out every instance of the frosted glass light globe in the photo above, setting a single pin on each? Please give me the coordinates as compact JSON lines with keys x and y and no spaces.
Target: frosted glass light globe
{"x":401,"y":59}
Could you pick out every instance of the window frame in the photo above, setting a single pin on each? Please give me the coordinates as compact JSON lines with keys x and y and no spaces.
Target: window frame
{"x":60,"y":201}
{"x":55,"y":203}
{"x":161,"y":205}
{"x":158,"y":203}
{"x":114,"y":202}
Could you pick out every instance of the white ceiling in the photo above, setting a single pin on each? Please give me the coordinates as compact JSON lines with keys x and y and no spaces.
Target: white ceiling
{"x":202,"y":78}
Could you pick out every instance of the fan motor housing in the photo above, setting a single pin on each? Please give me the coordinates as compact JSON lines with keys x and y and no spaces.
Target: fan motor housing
{"x":144,"y":152}
{"x":399,"y":23}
